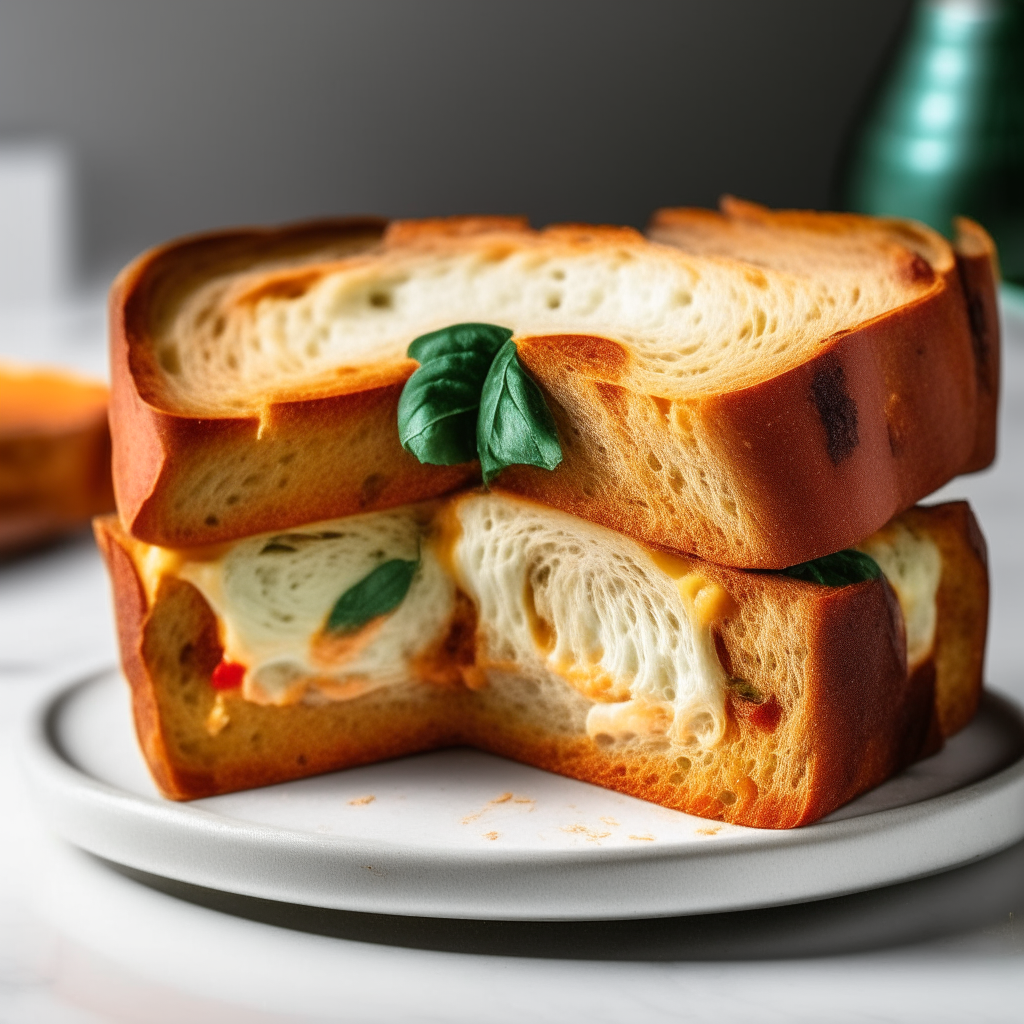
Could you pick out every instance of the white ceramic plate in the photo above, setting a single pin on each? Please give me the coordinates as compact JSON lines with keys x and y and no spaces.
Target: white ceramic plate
{"x":462,"y":834}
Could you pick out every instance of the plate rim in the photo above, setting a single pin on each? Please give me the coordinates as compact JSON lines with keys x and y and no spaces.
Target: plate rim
{"x":56,"y":780}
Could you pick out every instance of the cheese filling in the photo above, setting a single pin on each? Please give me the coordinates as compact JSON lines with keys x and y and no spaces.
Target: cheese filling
{"x":629,"y":628}
{"x":273,"y":595}
{"x":559,"y":595}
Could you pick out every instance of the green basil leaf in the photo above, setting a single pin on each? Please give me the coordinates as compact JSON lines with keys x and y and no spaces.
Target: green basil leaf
{"x":485,"y":339}
{"x":376,"y":594}
{"x":471,"y":398}
{"x":838,"y":570}
{"x":438,"y":408}
{"x":437,"y":411}
{"x":515,"y":426}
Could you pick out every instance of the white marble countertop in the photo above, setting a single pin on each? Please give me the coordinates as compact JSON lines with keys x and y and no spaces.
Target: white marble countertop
{"x":82,"y":942}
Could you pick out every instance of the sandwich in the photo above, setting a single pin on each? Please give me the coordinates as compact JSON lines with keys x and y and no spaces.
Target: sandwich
{"x":54,"y":455}
{"x":489,"y":620}
{"x":694,"y":571}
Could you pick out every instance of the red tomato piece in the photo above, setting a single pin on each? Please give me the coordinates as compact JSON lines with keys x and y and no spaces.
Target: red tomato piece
{"x":228,"y":675}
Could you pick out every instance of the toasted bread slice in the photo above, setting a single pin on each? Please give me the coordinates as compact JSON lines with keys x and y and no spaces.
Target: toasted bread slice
{"x":756,"y":417}
{"x":54,"y":454}
{"x":751,"y":697}
{"x":838,"y":247}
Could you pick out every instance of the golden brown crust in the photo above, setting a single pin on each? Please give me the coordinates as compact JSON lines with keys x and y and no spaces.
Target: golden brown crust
{"x":963,"y":598}
{"x":790,"y":754}
{"x":880,"y":416}
{"x":979,"y":275}
{"x":54,"y":455}
{"x":430,"y":229}
{"x":336,"y":456}
{"x":883,"y":416}
{"x":168,"y":652}
{"x":905,"y":379}
{"x":782,"y":762}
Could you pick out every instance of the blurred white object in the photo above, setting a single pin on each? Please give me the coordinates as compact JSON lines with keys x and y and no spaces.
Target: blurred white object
{"x":36,"y":222}
{"x":46,"y":319}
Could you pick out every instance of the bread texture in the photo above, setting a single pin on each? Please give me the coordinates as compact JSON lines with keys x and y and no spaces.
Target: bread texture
{"x":755,"y":416}
{"x":54,"y":455}
{"x":839,"y":249}
{"x":813,"y":702}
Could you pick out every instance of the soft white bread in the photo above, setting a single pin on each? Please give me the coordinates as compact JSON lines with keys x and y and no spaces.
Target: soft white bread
{"x":840,"y":250}
{"x":755,"y":416}
{"x":54,"y":454}
{"x":747,"y":696}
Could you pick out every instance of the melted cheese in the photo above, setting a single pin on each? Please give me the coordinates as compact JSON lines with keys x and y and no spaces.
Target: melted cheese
{"x":272,"y":595}
{"x":555,"y":594}
{"x":629,"y":628}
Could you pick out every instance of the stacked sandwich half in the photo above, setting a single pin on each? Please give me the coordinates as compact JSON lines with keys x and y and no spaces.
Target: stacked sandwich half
{"x":637,"y":510}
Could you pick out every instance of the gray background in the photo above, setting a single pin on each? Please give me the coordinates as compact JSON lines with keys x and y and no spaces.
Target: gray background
{"x":188,"y":114}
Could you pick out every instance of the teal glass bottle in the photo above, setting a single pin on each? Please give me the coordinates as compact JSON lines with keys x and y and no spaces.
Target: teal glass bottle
{"x":944,"y":132}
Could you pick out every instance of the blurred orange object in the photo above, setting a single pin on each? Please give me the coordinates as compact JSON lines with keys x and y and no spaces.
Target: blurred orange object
{"x":54,"y":454}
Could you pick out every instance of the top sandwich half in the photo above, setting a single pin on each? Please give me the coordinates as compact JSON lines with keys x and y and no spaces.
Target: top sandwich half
{"x":757,"y":388}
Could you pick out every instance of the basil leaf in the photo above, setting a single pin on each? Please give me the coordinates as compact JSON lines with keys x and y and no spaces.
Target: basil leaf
{"x":471,"y":398}
{"x":515,"y":426}
{"x":485,"y":339}
{"x":838,"y":570}
{"x":437,"y":411}
{"x":376,"y":594}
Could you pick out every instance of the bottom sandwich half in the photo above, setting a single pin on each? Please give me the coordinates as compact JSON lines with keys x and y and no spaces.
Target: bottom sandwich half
{"x":757,"y":698}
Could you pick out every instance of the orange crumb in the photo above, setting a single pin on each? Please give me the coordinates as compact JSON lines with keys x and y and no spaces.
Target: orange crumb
{"x":592,"y":835}
{"x":362,"y":800}
{"x":503,"y":799}
{"x":491,"y":835}
{"x":610,"y":821}
{"x":708,"y":831}
{"x":646,"y":838}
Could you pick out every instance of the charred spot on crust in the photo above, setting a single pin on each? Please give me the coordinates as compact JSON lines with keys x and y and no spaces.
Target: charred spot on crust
{"x":371,"y":488}
{"x":980,"y":339}
{"x":836,"y":409}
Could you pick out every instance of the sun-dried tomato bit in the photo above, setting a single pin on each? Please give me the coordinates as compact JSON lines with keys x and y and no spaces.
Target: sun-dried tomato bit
{"x":228,"y":675}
